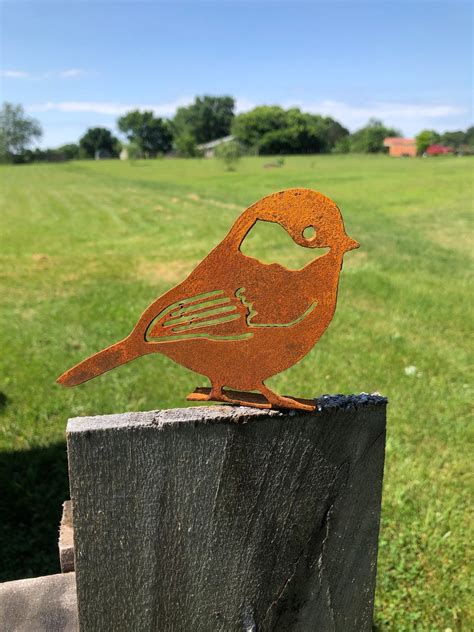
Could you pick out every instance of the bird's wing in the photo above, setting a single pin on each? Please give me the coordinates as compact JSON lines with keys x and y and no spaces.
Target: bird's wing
{"x":279,"y":317}
{"x":275,"y":296}
{"x":214,"y":315}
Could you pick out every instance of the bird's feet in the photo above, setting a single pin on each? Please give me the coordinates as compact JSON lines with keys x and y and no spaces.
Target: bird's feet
{"x":237,"y":398}
{"x":279,"y":401}
{"x":266,"y":399}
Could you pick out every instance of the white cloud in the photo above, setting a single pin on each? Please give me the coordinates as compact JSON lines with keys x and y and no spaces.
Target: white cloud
{"x":357,"y":114}
{"x":242,"y":104}
{"x":15,"y":74}
{"x":68,"y":73}
{"x":413,"y":116}
{"x":408,"y":117}
{"x":351,"y":115}
{"x":108,"y":107}
{"x":72,"y":72}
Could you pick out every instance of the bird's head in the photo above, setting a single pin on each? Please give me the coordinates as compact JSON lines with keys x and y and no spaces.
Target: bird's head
{"x":311,"y":219}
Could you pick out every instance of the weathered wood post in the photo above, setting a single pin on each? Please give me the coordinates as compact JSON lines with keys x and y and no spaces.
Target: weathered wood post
{"x":228,"y":519}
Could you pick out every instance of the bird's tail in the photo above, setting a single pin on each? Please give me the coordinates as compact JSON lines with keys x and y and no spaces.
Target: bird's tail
{"x":99,"y":363}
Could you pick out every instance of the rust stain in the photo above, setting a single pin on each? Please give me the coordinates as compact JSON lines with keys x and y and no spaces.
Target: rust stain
{"x":237,"y":320}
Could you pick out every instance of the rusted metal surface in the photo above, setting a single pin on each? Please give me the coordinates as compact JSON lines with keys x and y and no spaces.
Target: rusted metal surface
{"x":237,"y":320}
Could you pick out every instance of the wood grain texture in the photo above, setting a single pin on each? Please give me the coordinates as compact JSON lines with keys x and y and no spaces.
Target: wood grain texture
{"x":42,"y":604}
{"x":66,"y":539}
{"x":228,"y":519}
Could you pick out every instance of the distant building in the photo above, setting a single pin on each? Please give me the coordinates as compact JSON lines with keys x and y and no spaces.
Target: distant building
{"x":400,"y":146}
{"x":438,"y":150}
{"x":208,"y":149}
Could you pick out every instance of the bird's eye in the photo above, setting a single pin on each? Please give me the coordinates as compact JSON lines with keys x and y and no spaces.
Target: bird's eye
{"x":309,"y":232}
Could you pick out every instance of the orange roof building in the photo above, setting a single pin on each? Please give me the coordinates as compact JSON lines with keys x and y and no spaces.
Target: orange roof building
{"x":400,"y":146}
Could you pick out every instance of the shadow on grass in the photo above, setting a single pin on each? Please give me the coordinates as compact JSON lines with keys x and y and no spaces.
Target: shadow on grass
{"x":3,"y":401}
{"x":33,"y":486}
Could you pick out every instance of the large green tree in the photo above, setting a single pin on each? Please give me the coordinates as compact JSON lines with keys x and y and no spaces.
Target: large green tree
{"x":150,"y":133}
{"x":369,"y":139}
{"x":251,"y":127}
{"x":70,"y":151}
{"x":273,"y":130}
{"x":17,"y":132}
{"x":98,"y":140}
{"x":426,"y":138}
{"x":208,"y":118}
{"x":457,"y":139}
{"x":469,"y":136}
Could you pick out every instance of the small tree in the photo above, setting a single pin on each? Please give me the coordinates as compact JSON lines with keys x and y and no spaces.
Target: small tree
{"x":342,"y":146}
{"x":424,"y":139}
{"x":17,"y":132}
{"x":186,"y":146}
{"x":229,"y":153}
{"x":369,"y":139}
{"x":98,"y":140}
{"x":133,"y":151}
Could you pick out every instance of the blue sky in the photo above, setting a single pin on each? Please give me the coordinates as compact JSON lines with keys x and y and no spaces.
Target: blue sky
{"x":77,"y":64}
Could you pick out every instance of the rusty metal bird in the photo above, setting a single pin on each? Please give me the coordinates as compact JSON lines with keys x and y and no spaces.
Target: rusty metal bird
{"x":237,"y":320}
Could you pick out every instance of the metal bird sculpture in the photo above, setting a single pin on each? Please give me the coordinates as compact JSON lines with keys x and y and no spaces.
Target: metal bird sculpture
{"x":237,"y":320}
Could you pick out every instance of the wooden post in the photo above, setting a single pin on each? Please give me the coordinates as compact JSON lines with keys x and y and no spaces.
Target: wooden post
{"x":228,"y":519}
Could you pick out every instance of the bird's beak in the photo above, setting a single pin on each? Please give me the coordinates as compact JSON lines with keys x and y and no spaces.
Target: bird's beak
{"x":351,"y":244}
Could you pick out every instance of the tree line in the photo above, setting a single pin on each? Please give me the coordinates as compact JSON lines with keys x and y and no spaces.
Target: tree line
{"x":264,"y":130}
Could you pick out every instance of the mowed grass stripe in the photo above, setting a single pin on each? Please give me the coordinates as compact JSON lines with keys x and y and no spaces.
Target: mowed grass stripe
{"x":86,"y":246}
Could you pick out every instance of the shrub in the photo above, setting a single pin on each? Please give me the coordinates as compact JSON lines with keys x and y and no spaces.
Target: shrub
{"x":229,"y":153}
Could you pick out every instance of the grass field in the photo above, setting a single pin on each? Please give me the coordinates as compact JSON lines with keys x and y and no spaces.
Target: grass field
{"x":87,"y":245}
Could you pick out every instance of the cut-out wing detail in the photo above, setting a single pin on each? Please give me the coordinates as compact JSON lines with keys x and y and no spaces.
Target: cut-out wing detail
{"x":251,"y":313}
{"x":214,"y":315}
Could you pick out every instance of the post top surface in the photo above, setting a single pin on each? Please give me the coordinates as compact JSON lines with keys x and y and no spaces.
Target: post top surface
{"x":214,"y":414}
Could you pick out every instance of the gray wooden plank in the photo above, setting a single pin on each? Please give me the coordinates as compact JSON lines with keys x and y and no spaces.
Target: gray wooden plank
{"x":42,"y":604}
{"x":220,"y":518}
{"x":66,"y":539}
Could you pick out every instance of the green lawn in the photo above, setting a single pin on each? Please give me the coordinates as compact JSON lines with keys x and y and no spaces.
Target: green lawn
{"x":85,"y":248}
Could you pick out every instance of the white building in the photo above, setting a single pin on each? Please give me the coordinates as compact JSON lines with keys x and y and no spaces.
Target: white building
{"x":208,"y":149}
